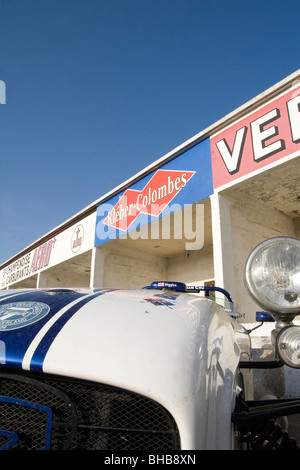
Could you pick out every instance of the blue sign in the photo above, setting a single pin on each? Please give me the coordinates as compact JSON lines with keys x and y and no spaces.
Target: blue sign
{"x":183,"y":181}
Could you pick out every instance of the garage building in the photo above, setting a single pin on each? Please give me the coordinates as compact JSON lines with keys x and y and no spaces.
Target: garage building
{"x":192,"y":216}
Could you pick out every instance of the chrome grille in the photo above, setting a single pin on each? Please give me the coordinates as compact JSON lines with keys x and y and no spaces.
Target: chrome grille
{"x":42,"y":412}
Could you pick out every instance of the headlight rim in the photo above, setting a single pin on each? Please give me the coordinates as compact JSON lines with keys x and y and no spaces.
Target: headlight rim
{"x":274,"y":309}
{"x":279,"y":353}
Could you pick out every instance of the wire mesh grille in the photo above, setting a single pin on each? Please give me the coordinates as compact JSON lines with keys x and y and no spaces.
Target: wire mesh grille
{"x":48,"y":412}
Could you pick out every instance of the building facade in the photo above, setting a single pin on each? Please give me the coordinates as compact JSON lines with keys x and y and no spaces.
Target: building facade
{"x":192,"y":216}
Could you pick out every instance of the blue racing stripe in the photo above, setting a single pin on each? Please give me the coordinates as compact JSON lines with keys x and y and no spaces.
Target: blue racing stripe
{"x":10,"y":294}
{"x":43,"y":347}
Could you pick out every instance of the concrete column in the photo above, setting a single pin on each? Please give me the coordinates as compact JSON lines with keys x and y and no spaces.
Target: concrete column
{"x":222,"y":243}
{"x":41,"y":281}
{"x":297,"y":228}
{"x":97,"y":268}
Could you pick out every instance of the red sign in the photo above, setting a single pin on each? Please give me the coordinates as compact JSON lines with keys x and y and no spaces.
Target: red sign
{"x":152,"y":199}
{"x":41,"y":256}
{"x":265,"y":136}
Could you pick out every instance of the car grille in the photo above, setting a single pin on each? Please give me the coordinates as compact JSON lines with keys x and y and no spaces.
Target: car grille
{"x":48,"y":412}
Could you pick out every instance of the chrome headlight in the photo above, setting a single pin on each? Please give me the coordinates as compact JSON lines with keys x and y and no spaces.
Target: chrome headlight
{"x":288,"y":346}
{"x":272,"y":276}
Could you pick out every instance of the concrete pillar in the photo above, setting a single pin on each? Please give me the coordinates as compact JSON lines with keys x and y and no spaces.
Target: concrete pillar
{"x":97,"y":268}
{"x":41,"y":281}
{"x":297,"y":228}
{"x":222,"y":244}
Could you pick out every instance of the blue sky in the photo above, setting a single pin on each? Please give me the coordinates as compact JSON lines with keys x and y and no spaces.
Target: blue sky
{"x":96,"y":90}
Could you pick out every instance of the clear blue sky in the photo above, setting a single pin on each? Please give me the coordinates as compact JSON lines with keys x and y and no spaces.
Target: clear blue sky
{"x":96,"y":90}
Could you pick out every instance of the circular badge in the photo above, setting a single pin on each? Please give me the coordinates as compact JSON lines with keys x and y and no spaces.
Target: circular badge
{"x":77,"y":238}
{"x":19,"y":314}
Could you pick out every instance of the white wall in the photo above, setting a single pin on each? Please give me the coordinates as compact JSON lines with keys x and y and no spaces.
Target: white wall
{"x":128,"y":268}
{"x":74,"y":272}
{"x":191,"y":266}
{"x":252,"y":221}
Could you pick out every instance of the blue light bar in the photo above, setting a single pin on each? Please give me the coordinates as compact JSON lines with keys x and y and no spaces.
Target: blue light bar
{"x":264,"y":317}
{"x":181,"y":287}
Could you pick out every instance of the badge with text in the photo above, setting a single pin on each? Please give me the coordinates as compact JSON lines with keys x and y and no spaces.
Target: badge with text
{"x":19,"y":314}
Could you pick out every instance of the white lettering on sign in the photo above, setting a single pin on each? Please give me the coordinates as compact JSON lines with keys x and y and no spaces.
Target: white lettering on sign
{"x":261,"y":135}
{"x":152,"y":199}
{"x":294,"y":115}
{"x":232,"y":159}
{"x":270,"y":131}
